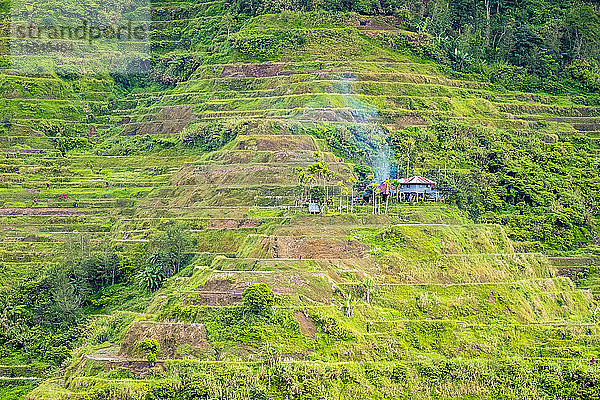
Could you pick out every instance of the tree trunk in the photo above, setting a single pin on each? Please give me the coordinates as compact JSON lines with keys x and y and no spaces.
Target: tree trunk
{"x":488,"y":14}
{"x":374,"y":201}
{"x":387,"y":200}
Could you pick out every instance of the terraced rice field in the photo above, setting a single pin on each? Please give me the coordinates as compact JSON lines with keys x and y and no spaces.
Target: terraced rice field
{"x":450,"y":305}
{"x":485,"y":298}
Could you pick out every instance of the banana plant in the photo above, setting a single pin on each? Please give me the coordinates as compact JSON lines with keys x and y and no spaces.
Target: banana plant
{"x":349,"y":304}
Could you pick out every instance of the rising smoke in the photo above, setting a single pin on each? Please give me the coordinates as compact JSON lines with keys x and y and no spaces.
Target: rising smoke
{"x":371,"y":138}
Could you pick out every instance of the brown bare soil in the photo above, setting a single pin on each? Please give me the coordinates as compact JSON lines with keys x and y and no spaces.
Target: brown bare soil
{"x":573,"y":273}
{"x":307,"y":326}
{"x":222,"y":285}
{"x":293,"y":247}
{"x":228,"y":223}
{"x":219,"y":292}
{"x":169,"y":335}
{"x":224,"y":292}
{"x":216,"y":299}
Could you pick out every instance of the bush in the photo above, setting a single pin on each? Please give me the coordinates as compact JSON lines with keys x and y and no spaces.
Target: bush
{"x":57,"y":354}
{"x":258,"y":298}
{"x":160,"y":391}
{"x":120,"y":373}
{"x":193,"y":391}
{"x":150,"y":347}
{"x":256,"y":393}
{"x":152,"y":276}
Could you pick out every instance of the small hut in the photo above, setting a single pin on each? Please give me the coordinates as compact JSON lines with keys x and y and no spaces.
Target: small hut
{"x":313,"y":208}
{"x":417,"y":188}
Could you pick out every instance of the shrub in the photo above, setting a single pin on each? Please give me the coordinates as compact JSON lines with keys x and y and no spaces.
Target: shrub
{"x":160,"y":391}
{"x":120,"y":373}
{"x":258,"y":298}
{"x":193,"y":390}
{"x":256,"y":393}
{"x":184,"y":351}
{"x":150,"y":347}
{"x":399,"y":374}
{"x":57,"y":354}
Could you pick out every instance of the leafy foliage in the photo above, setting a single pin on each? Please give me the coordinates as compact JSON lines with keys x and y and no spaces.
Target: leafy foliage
{"x":150,"y":347}
{"x":169,"y":253}
{"x":258,"y":298}
{"x":544,"y":190}
{"x":41,"y":314}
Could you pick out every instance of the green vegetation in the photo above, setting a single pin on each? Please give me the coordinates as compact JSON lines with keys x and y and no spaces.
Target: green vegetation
{"x":258,"y":298}
{"x":543,"y":187}
{"x":168,"y":254}
{"x":165,"y":214}
{"x":150,"y":347}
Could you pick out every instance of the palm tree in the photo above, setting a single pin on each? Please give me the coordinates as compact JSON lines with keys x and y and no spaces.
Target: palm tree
{"x":387,"y":198}
{"x":368,"y":284}
{"x":349,"y":304}
{"x":302,"y":178}
{"x":353,"y":181}
{"x":317,"y":170}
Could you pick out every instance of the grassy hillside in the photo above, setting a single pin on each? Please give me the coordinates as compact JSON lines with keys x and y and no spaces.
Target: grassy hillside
{"x":156,"y":207}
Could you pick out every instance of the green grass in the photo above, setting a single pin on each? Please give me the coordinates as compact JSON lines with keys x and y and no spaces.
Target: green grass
{"x":457,"y":309}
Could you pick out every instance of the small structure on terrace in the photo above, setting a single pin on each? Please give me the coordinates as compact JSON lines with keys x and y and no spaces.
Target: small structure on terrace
{"x":413,"y":189}
{"x":314,"y":208}
{"x":416,"y":188}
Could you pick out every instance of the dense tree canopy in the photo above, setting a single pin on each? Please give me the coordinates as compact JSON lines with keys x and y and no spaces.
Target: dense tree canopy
{"x":522,"y":44}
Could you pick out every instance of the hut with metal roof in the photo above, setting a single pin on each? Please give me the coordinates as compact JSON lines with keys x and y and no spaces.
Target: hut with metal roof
{"x":417,"y":188}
